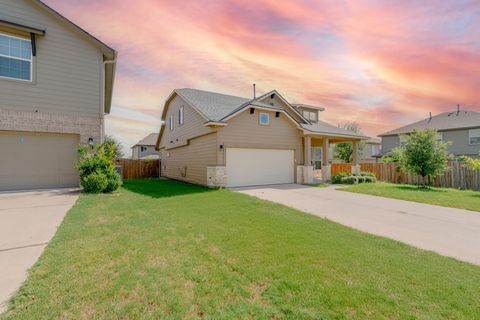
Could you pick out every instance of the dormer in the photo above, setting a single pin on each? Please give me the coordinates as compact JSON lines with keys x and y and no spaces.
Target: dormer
{"x":311,"y":113}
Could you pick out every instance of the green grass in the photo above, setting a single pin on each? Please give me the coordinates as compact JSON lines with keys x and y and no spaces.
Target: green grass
{"x":462,"y":199}
{"x":166,"y":250}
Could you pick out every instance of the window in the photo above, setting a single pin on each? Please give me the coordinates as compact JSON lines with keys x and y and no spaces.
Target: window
{"x":310,"y":115}
{"x":264,"y":118}
{"x":403,"y":139}
{"x":439,"y":136}
{"x":180,"y":116}
{"x":15,"y":58}
{"x":474,"y":136}
{"x":171,"y":122}
{"x":143,"y":148}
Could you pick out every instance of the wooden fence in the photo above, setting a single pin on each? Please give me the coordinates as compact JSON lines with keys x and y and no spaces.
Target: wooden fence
{"x":457,"y":176}
{"x":138,"y":168}
{"x":341,"y":167}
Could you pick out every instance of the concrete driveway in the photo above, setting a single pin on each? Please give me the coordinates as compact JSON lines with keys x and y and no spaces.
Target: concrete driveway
{"x":447,"y":231}
{"x":28,"y":220}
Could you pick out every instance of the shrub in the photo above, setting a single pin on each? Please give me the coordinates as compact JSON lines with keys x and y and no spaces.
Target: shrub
{"x":350,"y":180}
{"x":361,"y":179}
{"x":94,"y":182}
{"x":367,"y":174}
{"x":96,"y":167}
{"x":370,"y":179}
{"x":338,"y":177}
{"x":114,"y":181}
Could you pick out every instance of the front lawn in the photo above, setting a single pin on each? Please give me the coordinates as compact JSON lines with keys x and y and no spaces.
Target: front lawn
{"x":462,"y":199}
{"x":166,"y":250}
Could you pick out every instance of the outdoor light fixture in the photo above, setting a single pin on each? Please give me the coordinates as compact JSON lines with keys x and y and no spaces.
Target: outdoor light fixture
{"x":221,"y":147}
{"x":90,"y":141}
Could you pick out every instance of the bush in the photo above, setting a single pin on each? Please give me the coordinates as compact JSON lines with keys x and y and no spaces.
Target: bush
{"x":95,"y":182}
{"x":338,"y":177}
{"x":370,"y":179}
{"x":367,"y":174}
{"x":96,"y":167}
{"x":350,"y":180}
{"x":361,"y":179}
{"x":114,"y":181}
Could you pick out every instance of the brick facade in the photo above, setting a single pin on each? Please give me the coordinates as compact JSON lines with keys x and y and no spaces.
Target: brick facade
{"x":86,"y":127}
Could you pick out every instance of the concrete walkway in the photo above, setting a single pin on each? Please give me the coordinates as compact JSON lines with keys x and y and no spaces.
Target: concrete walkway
{"x":447,"y":231}
{"x":28,"y":220}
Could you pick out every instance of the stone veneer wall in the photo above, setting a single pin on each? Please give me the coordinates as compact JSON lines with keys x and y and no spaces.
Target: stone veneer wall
{"x":216,"y":177}
{"x":86,"y":127}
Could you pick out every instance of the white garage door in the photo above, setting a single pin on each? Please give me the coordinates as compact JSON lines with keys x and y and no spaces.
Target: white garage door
{"x":37,"y":160}
{"x":252,"y":167}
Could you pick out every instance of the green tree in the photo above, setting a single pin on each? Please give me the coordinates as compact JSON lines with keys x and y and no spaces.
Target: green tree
{"x":470,"y":163}
{"x":344,"y":150}
{"x":424,"y":155}
{"x":393,"y":156}
{"x":115,"y":144}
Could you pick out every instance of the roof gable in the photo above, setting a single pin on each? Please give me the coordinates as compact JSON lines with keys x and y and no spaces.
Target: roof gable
{"x":149,"y":140}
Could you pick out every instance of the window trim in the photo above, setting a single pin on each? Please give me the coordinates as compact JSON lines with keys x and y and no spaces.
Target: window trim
{"x":260,"y":114}
{"x":143,"y":148}
{"x":181,"y":116}
{"x":470,"y":137}
{"x":21,"y":59}
{"x":171,"y":122}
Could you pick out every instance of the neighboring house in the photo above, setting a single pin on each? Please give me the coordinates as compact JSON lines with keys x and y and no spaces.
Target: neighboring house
{"x":461,"y":128}
{"x":145,"y":148}
{"x":373,"y":147}
{"x":221,"y":140}
{"x":56,"y":85}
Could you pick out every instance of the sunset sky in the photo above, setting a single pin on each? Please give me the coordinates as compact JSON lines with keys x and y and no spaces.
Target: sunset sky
{"x":379,"y":63}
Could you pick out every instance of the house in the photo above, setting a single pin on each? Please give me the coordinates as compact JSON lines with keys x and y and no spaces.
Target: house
{"x":373,"y":147}
{"x":460,"y":127}
{"x":221,"y":140}
{"x":145,"y":148}
{"x":56,"y":84}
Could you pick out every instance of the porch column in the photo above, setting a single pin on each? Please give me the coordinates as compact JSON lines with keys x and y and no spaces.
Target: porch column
{"x":326,"y":168}
{"x":307,"y":168}
{"x":355,"y":164}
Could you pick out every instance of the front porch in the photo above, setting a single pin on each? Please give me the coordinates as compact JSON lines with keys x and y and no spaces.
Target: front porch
{"x":317,"y":166}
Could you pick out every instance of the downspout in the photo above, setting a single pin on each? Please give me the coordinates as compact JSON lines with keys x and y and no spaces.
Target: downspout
{"x":102,"y":100}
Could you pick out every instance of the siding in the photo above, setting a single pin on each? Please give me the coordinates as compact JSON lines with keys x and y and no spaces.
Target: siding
{"x":244,"y":131}
{"x":192,"y":126}
{"x":276,"y":101}
{"x":191,"y":159}
{"x":137,"y":152}
{"x":459,"y":146}
{"x":66,"y":71}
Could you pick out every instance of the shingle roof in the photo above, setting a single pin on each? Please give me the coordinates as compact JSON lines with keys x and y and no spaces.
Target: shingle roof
{"x":217,"y":106}
{"x":443,"y":121}
{"x":149,"y":140}
{"x":326,"y":128}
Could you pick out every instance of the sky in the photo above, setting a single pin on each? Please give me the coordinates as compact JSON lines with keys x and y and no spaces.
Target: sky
{"x":382,"y":64}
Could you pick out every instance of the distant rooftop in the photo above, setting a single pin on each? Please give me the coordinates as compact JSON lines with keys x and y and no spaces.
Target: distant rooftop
{"x":149,"y":140}
{"x":460,"y":119}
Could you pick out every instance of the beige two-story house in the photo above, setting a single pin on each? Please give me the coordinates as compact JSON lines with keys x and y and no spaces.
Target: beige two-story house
{"x":222,"y":140}
{"x":461,"y":128}
{"x":56,"y":84}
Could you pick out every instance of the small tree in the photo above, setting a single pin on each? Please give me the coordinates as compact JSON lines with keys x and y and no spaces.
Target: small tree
{"x":393,"y":156}
{"x":115,"y":144}
{"x":344,"y":150}
{"x":470,"y":163}
{"x":424,"y":155}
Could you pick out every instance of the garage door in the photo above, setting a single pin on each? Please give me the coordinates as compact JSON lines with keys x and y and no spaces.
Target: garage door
{"x":37,"y":160}
{"x":251,"y":167}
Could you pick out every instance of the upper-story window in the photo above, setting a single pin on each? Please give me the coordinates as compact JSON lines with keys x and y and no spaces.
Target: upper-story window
{"x":181,"y":116}
{"x":143,"y":148}
{"x":264,"y":118}
{"x":474,"y":136}
{"x":310,"y":115}
{"x":171,"y":122}
{"x":15,"y":58}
